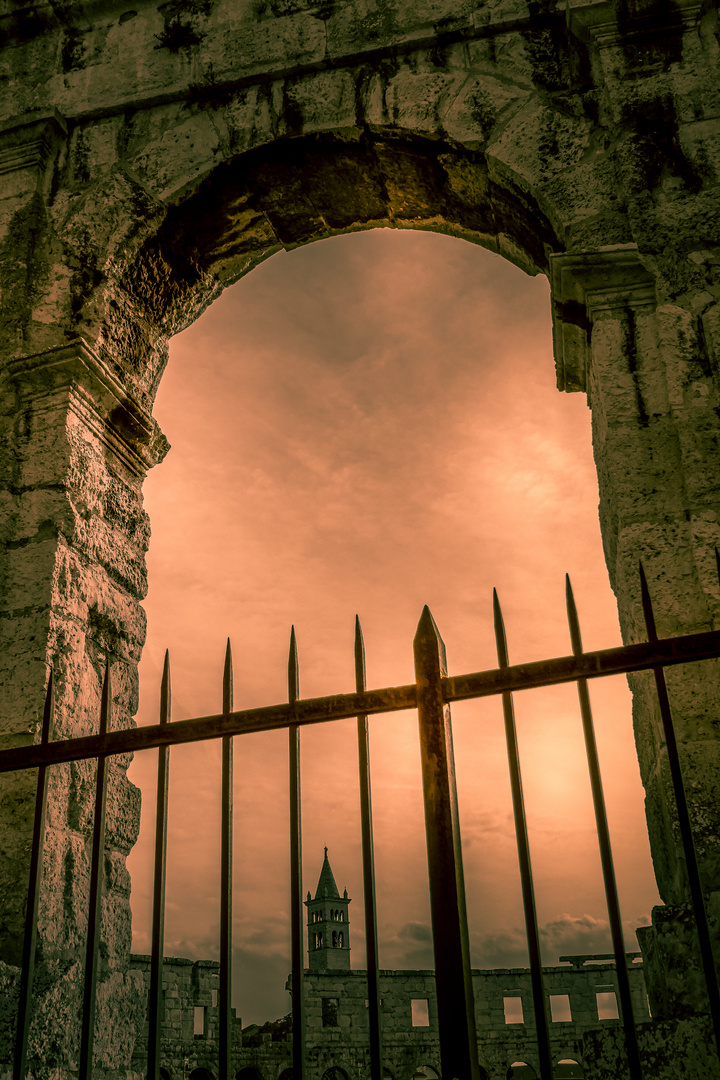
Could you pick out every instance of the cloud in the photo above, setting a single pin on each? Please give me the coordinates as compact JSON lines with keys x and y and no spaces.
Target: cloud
{"x":414,"y":931}
{"x":576,"y":934}
{"x":409,"y":947}
{"x":566,"y":935}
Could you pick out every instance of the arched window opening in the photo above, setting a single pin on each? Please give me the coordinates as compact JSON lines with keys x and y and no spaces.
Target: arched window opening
{"x":287,"y":1074}
{"x":249,"y":1073}
{"x":334,"y":939}
{"x":335,"y":1073}
{"x":165,"y":1074}
{"x":568,"y":1069}
{"x":341,"y":940}
{"x":520,"y":1070}
{"x":201,"y":1073}
{"x":425,"y":1072}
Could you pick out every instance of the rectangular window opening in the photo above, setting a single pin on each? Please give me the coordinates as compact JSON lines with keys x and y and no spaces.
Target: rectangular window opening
{"x":560,"y":1008}
{"x":513,"y":1010}
{"x":607,"y":1005}
{"x":199,"y":1021}
{"x":214,"y":992}
{"x":420,"y":1013}
{"x":329,"y":1012}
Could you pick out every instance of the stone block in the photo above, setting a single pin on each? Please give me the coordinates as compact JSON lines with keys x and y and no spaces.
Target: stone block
{"x":181,"y":146}
{"x":480,"y":105}
{"x":325,"y":101}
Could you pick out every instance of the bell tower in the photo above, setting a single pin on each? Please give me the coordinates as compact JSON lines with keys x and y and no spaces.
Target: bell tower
{"x":328,"y":926}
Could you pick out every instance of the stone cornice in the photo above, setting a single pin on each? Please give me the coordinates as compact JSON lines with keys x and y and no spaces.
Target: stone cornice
{"x":597,"y":21}
{"x":27,"y":142}
{"x":585,"y":284}
{"x":75,"y":374}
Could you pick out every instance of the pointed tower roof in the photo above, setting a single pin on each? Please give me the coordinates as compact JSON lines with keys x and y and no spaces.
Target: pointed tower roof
{"x":326,"y":882}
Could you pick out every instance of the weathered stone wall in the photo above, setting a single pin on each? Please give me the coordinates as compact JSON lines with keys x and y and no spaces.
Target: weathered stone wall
{"x":150,"y":156}
{"x":344,"y":1043}
{"x":187,"y":985}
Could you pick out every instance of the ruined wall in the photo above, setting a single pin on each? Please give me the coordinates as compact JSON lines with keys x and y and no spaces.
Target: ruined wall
{"x":338,"y":1032}
{"x":150,"y":156}
{"x":187,"y":1042}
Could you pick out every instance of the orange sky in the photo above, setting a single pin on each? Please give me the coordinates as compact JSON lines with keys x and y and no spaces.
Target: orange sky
{"x":367,"y":425}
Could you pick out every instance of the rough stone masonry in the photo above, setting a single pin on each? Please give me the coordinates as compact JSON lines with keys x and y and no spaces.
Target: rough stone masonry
{"x":152,"y":155}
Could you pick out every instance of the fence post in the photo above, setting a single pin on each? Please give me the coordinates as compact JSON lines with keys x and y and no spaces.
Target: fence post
{"x":456,"y":1009}
{"x":225,"y":1033}
{"x":155,"y":998}
{"x":31,"y":913}
{"x":371,"y":938}
{"x":97,"y":866}
{"x":296,"y":897}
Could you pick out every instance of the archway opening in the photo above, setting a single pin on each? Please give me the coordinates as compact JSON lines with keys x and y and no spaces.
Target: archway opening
{"x":335,"y":1073}
{"x":568,"y":1069}
{"x":319,"y":433}
{"x":425,"y":1072}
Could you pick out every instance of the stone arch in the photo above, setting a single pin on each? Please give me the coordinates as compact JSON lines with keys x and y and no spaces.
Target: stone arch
{"x":293,"y":192}
{"x":158,"y":195}
{"x":344,"y":149}
{"x":521,"y":1070}
{"x":250,"y":1072}
{"x":242,"y":138}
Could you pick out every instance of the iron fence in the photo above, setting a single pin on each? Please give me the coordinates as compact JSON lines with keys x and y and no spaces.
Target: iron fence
{"x":431,"y":694}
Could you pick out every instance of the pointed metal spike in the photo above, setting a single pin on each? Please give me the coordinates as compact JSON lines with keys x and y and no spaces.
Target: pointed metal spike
{"x":427,"y":627}
{"x":500,"y":636}
{"x":428,"y":642}
{"x":647,"y":605}
{"x":293,"y":672}
{"x":106,"y":705}
{"x":228,"y":680}
{"x":573,"y":621}
{"x":165,"y":691}
{"x":360,"y":673}
{"x":49,"y":709}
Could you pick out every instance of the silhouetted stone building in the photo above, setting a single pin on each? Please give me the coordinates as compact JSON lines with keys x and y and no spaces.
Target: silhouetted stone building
{"x":582,"y":997}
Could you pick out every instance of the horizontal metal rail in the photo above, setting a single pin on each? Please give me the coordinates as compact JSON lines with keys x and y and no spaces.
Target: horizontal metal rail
{"x":563,"y":669}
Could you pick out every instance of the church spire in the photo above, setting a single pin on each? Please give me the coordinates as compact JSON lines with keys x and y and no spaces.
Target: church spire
{"x":326,"y":882}
{"x":328,"y":925}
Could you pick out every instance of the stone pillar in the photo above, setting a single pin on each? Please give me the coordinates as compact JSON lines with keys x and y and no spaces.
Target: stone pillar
{"x":75,"y":451}
{"x":650,"y":372}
